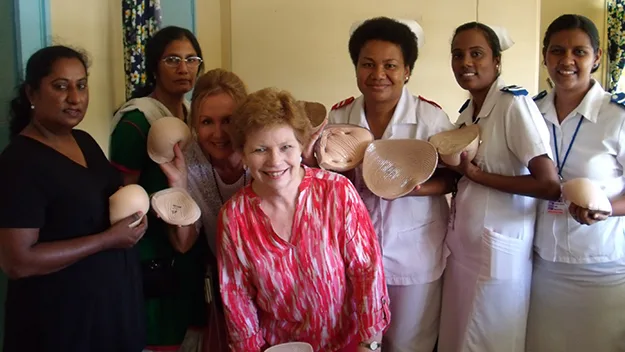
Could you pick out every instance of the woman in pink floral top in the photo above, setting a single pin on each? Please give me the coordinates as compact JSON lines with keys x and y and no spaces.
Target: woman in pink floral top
{"x":299,"y":259}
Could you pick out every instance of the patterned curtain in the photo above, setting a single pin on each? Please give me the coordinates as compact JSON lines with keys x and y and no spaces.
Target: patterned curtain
{"x":141,"y":19}
{"x":616,"y":42}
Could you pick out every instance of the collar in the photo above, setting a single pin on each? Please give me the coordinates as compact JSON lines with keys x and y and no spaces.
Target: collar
{"x":400,"y":115}
{"x":589,"y":107}
{"x":492,"y":97}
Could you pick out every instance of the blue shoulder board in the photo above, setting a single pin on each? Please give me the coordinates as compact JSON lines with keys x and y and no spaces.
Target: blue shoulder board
{"x":618,"y":98}
{"x":464,"y":106}
{"x":515,"y":90}
{"x":540,"y":95}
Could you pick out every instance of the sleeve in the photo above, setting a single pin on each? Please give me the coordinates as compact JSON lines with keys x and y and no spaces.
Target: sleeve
{"x":363,"y":261}
{"x":527,"y":135}
{"x":23,"y":203}
{"x":237,"y":292}
{"x":620,"y":156}
{"x":128,"y":149}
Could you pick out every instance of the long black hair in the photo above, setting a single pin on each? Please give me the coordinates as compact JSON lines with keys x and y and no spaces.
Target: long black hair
{"x":154,"y":50}
{"x":39,"y":65}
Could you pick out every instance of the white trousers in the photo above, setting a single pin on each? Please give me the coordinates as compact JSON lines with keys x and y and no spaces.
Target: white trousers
{"x":415,"y":312}
{"x":577,"y":307}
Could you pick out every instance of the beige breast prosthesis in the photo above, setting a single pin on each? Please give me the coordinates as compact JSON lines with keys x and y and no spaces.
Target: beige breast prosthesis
{"x":173,"y":205}
{"x":126,"y":201}
{"x":586,"y":194}
{"x":451,"y":144}
{"x":341,"y":147}
{"x":164,"y":134}
{"x":392,"y":168}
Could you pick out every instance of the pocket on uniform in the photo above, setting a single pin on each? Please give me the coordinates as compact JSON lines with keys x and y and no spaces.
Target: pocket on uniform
{"x":504,"y":258}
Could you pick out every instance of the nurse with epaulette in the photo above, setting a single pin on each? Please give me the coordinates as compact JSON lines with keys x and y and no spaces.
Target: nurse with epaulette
{"x":578,"y":289}
{"x":411,"y":229}
{"x":486,"y":290}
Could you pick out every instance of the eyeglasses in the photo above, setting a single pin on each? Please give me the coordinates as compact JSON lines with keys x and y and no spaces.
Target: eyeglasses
{"x":174,"y":61}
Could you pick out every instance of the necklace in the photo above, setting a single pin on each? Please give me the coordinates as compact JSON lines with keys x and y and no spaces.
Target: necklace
{"x":221,"y":197}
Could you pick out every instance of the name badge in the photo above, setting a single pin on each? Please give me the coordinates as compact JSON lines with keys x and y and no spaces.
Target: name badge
{"x":557,"y":207}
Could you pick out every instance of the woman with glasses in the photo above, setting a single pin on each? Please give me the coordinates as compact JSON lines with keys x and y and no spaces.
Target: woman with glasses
{"x":173,"y":272}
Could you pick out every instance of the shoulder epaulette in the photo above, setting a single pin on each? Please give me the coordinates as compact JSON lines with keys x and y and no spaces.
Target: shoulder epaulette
{"x":464,"y":106}
{"x":343,"y":103}
{"x":619,"y":99}
{"x":429,"y":101}
{"x":540,"y":95}
{"x":515,"y":90}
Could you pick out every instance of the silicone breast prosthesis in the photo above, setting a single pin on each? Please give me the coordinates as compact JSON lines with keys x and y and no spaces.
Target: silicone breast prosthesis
{"x":164,"y":134}
{"x":341,"y":147}
{"x":127,"y":201}
{"x":586,"y":194}
{"x":392,"y":168}
{"x":451,"y":144}
{"x":175,"y":207}
{"x":316,"y":113}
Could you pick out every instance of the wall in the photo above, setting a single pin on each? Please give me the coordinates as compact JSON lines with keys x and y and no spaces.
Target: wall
{"x":94,"y":26}
{"x":593,"y":9}
{"x":302,"y":46}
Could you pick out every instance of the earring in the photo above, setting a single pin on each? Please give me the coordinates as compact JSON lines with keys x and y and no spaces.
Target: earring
{"x":32,"y":107}
{"x":244,"y":167}
{"x":301,"y":159}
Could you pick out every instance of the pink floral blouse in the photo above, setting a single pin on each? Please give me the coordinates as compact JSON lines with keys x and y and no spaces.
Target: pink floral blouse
{"x":325,"y":286}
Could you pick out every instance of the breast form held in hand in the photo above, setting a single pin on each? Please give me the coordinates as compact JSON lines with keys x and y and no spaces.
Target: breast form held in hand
{"x":342,"y":147}
{"x":175,"y":207}
{"x":316,"y":113}
{"x":451,"y":144}
{"x":127,"y":201}
{"x":586,"y":194}
{"x":394,"y":167}
{"x":164,"y":134}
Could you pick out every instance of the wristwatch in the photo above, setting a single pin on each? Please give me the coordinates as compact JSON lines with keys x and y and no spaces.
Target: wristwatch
{"x":373,"y":345}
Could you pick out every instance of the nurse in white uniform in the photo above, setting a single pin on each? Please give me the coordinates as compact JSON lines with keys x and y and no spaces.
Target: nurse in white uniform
{"x":411,"y":229}
{"x":578,"y":289}
{"x":486,"y":289}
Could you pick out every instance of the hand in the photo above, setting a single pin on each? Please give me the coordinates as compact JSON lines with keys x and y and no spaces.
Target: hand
{"x":585,"y":216}
{"x":308,"y":154}
{"x":123,"y":236}
{"x":176,"y":170}
{"x":466,"y":167}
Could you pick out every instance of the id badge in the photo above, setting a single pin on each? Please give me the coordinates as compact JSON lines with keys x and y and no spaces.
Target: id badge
{"x":557,"y":207}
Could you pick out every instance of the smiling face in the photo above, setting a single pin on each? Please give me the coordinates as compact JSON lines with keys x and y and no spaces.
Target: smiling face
{"x":273,"y":156}
{"x":62,"y":97}
{"x":211,"y":121}
{"x":570,"y":59}
{"x":178,"y":79}
{"x":381,"y":71}
{"x":472,"y":61}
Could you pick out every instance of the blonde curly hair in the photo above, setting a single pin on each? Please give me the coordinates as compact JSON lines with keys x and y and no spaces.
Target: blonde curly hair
{"x":269,"y":107}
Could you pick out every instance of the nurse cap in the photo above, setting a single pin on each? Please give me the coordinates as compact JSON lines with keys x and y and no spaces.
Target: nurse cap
{"x":412,"y":24}
{"x":505,"y":40}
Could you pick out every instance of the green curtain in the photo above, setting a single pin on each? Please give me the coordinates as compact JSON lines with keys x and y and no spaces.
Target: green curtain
{"x":616,"y":42}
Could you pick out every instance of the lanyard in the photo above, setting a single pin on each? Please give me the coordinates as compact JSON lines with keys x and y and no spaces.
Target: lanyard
{"x":555,"y":144}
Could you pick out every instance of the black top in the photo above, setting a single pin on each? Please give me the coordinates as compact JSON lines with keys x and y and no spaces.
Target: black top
{"x":94,"y":305}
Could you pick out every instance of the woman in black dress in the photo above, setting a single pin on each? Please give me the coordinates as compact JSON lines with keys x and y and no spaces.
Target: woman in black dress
{"x":74,"y":280}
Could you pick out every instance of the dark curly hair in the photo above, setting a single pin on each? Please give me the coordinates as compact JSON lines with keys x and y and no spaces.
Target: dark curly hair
{"x":388,"y":30}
